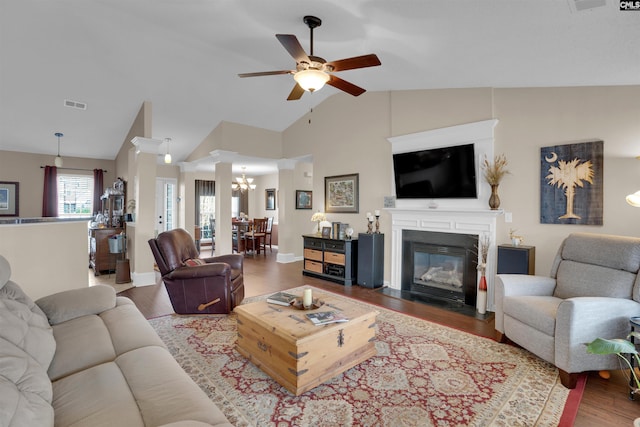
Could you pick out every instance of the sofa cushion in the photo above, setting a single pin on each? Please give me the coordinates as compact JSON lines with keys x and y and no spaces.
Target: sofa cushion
{"x":25,"y":325}
{"x":615,"y":252}
{"x":576,"y":279}
{"x":97,"y":396}
{"x":73,"y":303}
{"x":128,"y":328}
{"x":5,"y":271}
{"x":156,"y":379}
{"x":25,"y":389}
{"x":538,"y":312}
{"x":90,"y":340}
{"x":82,"y":342}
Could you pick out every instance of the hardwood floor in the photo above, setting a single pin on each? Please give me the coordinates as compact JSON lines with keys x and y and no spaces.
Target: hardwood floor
{"x":604,"y":402}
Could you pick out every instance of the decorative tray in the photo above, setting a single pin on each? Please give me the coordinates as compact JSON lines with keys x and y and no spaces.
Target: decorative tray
{"x":297,"y":303}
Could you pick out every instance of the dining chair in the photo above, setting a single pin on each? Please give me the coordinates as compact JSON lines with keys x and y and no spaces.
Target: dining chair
{"x":239,"y":229}
{"x":256,"y":234}
{"x":268,"y":233}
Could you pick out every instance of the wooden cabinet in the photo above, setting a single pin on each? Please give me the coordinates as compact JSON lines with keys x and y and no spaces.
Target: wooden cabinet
{"x":113,"y":209}
{"x":330,"y":259}
{"x":516,"y":259}
{"x":100,"y":257}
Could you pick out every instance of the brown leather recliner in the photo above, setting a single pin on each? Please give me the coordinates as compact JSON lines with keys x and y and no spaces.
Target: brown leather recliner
{"x":215,"y":286}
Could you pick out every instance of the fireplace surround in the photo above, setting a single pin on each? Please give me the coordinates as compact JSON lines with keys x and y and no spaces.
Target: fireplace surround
{"x":468,"y":217}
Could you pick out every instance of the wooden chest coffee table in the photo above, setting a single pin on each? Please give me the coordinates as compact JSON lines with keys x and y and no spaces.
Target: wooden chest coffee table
{"x":297,"y":354}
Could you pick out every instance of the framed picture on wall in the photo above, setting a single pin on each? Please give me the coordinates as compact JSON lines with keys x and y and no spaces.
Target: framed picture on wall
{"x":270,"y":199}
{"x":571,"y":183}
{"x":341,"y":193}
{"x":9,"y":200}
{"x":304,"y":199}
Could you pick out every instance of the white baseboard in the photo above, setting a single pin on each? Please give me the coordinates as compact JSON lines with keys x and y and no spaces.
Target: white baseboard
{"x":287,"y":258}
{"x":144,"y":279}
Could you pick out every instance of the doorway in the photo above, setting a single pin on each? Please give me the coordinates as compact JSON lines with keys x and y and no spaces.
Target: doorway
{"x":165,"y":204}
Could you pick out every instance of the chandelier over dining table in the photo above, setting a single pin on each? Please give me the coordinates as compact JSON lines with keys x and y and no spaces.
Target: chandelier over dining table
{"x":243,"y":183}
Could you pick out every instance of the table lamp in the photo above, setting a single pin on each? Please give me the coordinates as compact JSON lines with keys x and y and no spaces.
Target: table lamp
{"x":318,"y":217}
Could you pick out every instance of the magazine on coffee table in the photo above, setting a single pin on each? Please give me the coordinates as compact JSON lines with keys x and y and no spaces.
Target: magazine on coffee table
{"x":281,"y":298}
{"x":326,"y":317}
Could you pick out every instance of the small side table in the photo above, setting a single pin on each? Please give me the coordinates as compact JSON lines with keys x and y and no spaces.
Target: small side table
{"x":635,"y":325}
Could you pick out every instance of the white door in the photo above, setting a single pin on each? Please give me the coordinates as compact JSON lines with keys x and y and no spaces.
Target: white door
{"x":166,"y":204}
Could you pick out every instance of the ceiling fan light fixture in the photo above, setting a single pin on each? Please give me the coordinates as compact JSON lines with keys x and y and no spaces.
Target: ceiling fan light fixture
{"x":634,"y":199}
{"x":310,"y":79}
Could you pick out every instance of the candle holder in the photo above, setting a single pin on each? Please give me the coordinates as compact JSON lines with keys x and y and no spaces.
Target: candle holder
{"x":377,"y":224}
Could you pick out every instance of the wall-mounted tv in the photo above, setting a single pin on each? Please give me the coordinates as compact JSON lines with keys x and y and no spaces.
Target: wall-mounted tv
{"x":447,"y":172}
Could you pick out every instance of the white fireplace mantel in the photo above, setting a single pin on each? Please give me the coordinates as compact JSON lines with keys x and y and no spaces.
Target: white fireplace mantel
{"x":471,"y":221}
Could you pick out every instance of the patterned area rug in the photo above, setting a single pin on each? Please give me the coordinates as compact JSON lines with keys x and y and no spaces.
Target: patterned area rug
{"x":423,"y":375}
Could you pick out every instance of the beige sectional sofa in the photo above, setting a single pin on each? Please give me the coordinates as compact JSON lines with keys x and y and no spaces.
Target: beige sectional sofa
{"x":88,"y":358}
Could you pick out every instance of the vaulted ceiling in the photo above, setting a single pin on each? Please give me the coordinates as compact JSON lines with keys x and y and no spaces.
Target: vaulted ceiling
{"x":185,"y":56}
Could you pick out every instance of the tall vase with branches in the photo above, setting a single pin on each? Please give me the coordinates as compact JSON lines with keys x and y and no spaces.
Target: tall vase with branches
{"x":483,"y":252}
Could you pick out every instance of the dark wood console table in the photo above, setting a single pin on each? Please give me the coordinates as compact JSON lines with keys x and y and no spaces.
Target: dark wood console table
{"x":330,"y":259}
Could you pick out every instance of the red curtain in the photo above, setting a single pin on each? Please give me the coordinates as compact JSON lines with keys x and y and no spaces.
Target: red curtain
{"x":50,"y":194}
{"x":98,"y":186}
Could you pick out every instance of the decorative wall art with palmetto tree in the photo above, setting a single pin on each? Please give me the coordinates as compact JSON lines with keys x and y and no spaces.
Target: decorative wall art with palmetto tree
{"x":571,"y":183}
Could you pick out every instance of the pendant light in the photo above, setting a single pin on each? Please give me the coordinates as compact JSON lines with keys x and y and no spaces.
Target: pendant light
{"x":167,"y":155}
{"x":58,"y":160}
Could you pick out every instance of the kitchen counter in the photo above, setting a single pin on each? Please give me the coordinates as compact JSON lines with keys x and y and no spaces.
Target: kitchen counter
{"x":42,"y":219}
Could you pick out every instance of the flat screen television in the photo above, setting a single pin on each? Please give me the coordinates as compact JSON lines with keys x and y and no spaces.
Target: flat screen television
{"x":439,"y":173}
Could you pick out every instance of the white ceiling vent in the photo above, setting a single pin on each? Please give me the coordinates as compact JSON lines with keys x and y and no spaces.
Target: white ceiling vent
{"x":580,"y":5}
{"x":75,"y":104}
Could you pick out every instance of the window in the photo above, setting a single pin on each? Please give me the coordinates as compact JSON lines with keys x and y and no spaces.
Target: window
{"x":205,"y":206}
{"x":207,"y":212}
{"x":75,"y":195}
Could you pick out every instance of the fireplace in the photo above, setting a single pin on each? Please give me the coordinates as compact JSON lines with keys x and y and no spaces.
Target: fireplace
{"x":453,"y":263}
{"x":440,"y":266}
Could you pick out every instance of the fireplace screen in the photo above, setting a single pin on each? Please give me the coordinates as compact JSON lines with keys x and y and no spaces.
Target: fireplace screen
{"x":439,"y":271}
{"x":440,"y":265}
{"x":442,"y":271}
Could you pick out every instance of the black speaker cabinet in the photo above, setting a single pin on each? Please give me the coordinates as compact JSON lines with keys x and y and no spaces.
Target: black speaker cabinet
{"x":516,"y":259}
{"x":370,"y":260}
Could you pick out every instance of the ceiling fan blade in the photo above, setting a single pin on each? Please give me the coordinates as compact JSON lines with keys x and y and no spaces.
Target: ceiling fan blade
{"x":344,"y":85}
{"x":296,"y":93}
{"x":293,"y":46}
{"x":355,"y":62}
{"x":265,"y":73}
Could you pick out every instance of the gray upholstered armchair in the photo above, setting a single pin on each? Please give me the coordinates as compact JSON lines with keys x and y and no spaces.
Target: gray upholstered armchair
{"x":593,"y":290}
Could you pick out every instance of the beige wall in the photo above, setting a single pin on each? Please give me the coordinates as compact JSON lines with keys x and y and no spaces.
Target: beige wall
{"x":61,"y":264}
{"x":535,"y":118}
{"x":25,"y":169}
{"x":348,"y":135}
{"x":242,"y":139}
{"x":257,"y":198}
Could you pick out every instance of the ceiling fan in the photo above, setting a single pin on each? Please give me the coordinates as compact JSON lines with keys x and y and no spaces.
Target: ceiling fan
{"x":312,"y":72}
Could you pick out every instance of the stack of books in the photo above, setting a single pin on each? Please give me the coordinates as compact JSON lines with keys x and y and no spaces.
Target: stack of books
{"x":281,"y":298}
